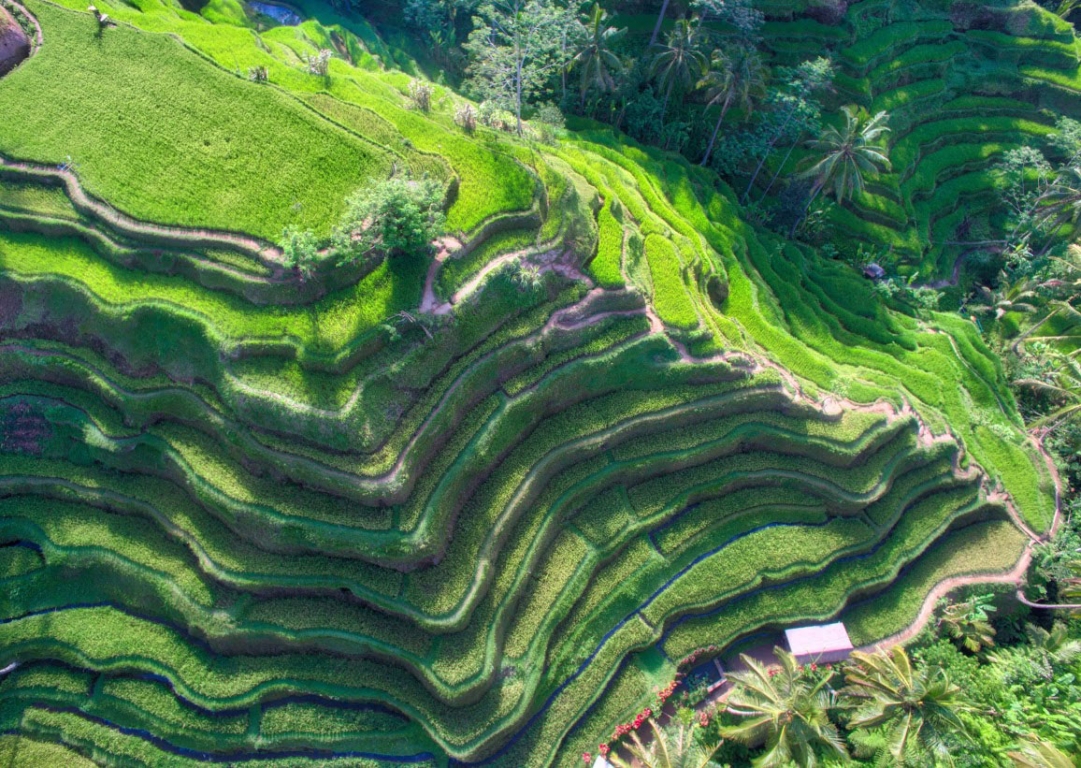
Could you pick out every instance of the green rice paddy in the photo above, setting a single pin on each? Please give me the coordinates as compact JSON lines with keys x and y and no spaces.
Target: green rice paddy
{"x":248,"y":518}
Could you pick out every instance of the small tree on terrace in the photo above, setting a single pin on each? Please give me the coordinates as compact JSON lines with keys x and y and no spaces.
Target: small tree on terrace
{"x":514,"y":47}
{"x":299,"y":251}
{"x":398,"y":216}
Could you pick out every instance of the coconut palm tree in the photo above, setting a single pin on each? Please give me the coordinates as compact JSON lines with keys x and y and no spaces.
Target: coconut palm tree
{"x":785,"y":709}
{"x":596,"y":62}
{"x":846,"y":156}
{"x":1063,"y":385}
{"x":1040,"y":754}
{"x":679,"y":61}
{"x":671,"y":747}
{"x":660,"y":21}
{"x":1019,"y":296}
{"x":735,"y":77}
{"x":917,"y":709}
{"x":1061,"y":203}
{"x":968,"y":623}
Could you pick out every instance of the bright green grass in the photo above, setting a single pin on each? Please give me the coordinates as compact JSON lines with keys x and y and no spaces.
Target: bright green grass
{"x":491,"y":182}
{"x":164,"y":135}
{"x":670,"y":297}
{"x":329,"y":324}
{"x":607,"y":266}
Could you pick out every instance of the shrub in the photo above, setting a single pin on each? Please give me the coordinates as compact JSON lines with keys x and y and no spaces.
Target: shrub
{"x":319,"y":64}
{"x":398,"y":216}
{"x":421,"y":95}
{"x":466,"y":117}
{"x":299,"y":250}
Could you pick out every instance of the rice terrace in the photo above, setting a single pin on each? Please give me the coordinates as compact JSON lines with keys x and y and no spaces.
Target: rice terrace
{"x":526,"y":383}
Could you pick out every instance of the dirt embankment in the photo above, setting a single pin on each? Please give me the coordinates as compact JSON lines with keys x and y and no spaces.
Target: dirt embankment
{"x":14,"y":44}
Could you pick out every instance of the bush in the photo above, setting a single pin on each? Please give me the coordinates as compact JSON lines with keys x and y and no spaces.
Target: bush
{"x":299,"y":250}
{"x":398,"y":216}
{"x":421,"y":95}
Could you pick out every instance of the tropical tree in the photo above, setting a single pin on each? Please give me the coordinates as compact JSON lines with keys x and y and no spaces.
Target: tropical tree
{"x":846,"y":155}
{"x":1017,"y":296}
{"x":1040,"y":754}
{"x":735,"y":77}
{"x":739,"y":14}
{"x":969,"y":623}
{"x":786,"y":709}
{"x":1061,"y":202}
{"x":514,"y":47}
{"x":679,"y":62}
{"x":918,"y":709}
{"x":398,"y":216}
{"x":660,"y":21}
{"x":1063,"y":385}
{"x":675,"y":746}
{"x":300,"y":251}
{"x":597,"y":65}
{"x":793,"y":110}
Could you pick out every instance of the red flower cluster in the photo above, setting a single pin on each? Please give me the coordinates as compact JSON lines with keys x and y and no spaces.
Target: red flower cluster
{"x":664,"y":693}
{"x":641,"y":717}
{"x":692,"y":657}
{"x":586,"y":758}
{"x":604,"y":749}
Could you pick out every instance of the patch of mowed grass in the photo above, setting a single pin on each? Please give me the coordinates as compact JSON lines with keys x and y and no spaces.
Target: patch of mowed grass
{"x":165,"y":135}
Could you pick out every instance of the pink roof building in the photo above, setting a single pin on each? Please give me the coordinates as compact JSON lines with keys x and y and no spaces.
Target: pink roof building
{"x":825,"y":643}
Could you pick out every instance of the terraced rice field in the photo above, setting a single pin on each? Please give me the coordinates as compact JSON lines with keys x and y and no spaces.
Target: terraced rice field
{"x":251,"y":519}
{"x":961,"y":87}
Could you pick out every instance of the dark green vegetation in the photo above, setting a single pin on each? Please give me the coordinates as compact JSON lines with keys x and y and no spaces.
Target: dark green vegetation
{"x":263,"y":505}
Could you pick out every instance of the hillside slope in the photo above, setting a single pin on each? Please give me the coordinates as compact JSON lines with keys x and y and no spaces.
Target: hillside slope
{"x":469,"y":510}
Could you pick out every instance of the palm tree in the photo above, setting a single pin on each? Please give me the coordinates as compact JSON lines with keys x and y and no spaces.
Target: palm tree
{"x":671,"y":747}
{"x":1040,"y":754}
{"x":845,"y":156}
{"x":595,"y":59}
{"x":785,"y":709}
{"x":736,"y":77}
{"x":1018,"y":296}
{"x":968,"y":623}
{"x":1061,"y":203}
{"x":917,"y":709}
{"x":1063,"y":385}
{"x":660,"y":21}
{"x":678,"y":62}
{"x":848,"y":154}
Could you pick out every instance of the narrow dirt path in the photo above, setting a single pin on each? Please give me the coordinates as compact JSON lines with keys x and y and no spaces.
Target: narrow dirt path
{"x":1016,"y":575}
{"x":199,"y":237}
